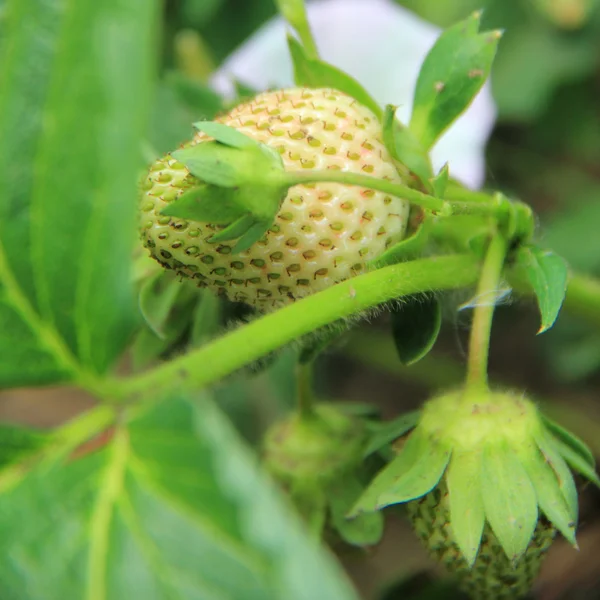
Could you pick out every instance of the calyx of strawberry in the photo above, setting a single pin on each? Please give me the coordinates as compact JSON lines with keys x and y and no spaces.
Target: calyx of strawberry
{"x":485,"y":474}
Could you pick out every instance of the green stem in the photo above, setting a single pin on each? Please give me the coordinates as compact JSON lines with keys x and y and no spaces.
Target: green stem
{"x":366,"y":181}
{"x":214,"y":361}
{"x":481,"y":328}
{"x":306,"y":398}
{"x":446,"y":208}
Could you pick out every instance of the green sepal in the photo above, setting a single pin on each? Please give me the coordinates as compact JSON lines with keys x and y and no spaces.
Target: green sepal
{"x":467,"y":515}
{"x":311,"y":72}
{"x":364,"y":530}
{"x":226,"y":135}
{"x":383,"y":433}
{"x":439,"y":183}
{"x":451,"y":75}
{"x":509,"y":498}
{"x":369,"y":501}
{"x":416,"y":325}
{"x":406,"y":148}
{"x":206,"y":203}
{"x":548,"y":274}
{"x":570,"y":439}
{"x":252,"y":235}
{"x":550,"y":498}
{"x":550,"y":449}
{"x":157,"y":296}
{"x":311,"y":503}
{"x":575,"y":460}
{"x":229,"y":166}
{"x":406,"y":249}
{"x":234,"y":230}
{"x":424,"y":475}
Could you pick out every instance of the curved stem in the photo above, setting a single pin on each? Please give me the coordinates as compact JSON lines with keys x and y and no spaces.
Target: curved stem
{"x":214,"y":361}
{"x":445,"y":207}
{"x":481,"y":328}
{"x":294,"y":11}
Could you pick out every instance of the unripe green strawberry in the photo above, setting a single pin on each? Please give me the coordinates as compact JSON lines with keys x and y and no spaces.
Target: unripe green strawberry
{"x":486,"y":482}
{"x":323,"y":233}
{"x":493,"y":576}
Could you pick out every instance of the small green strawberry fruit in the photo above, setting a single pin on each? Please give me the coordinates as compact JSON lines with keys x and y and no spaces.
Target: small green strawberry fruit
{"x":318,"y":460}
{"x":486,"y":483}
{"x":322,"y":234}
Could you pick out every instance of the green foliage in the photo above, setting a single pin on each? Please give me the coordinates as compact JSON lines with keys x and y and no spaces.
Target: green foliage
{"x":452,"y":74}
{"x":547,"y":273}
{"x":72,"y":117}
{"x":415,"y":326}
{"x":162,"y":511}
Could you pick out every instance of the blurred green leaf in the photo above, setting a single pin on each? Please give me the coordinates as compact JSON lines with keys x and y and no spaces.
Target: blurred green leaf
{"x":156,"y":299}
{"x":17,"y":441}
{"x":207,"y":318}
{"x":547,"y":273}
{"x":509,"y":498}
{"x":571,"y":440}
{"x":416,"y":325}
{"x":450,"y":77}
{"x":578,"y":463}
{"x":315,"y":73}
{"x":72,"y":113}
{"x":173,"y":507}
{"x":199,"y":12}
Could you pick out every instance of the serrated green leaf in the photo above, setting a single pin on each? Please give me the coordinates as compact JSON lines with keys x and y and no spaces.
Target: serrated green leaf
{"x":408,"y":248}
{"x":550,"y":497}
{"x":570,"y":439}
{"x":440,"y":181}
{"x":225,"y":134}
{"x":416,"y":325}
{"x":450,"y":77}
{"x":157,"y":296}
{"x":72,"y":115}
{"x":552,"y":454}
{"x":364,"y":530}
{"x":467,"y":515}
{"x":174,"y":506}
{"x":316,"y":73}
{"x":383,"y":433}
{"x":547,"y":273}
{"x":205,"y":203}
{"x":415,"y":445}
{"x":235,"y":230}
{"x":404,"y":146}
{"x":508,"y":498}
{"x":574,"y":459}
{"x":423,"y":476}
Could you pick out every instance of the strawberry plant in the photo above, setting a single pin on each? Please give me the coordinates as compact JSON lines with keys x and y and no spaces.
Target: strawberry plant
{"x":188,"y":286}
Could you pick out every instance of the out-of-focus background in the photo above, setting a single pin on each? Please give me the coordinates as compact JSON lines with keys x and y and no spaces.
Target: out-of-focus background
{"x":544,"y":149}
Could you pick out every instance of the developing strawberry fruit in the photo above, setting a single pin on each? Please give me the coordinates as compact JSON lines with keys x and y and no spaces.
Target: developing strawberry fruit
{"x":323,"y":233}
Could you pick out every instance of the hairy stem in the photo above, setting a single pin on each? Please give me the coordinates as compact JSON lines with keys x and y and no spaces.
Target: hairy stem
{"x":447,"y":208}
{"x":214,"y":361}
{"x":485,"y":298}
